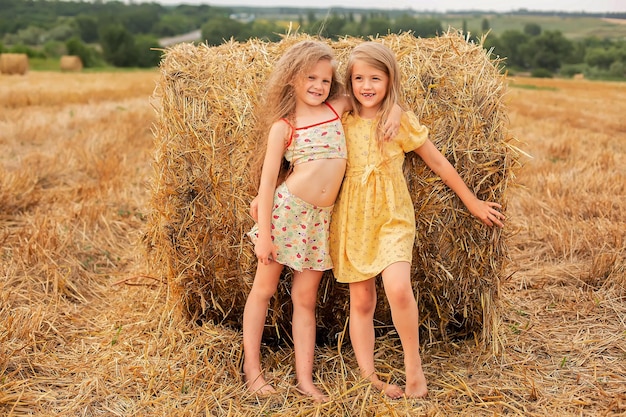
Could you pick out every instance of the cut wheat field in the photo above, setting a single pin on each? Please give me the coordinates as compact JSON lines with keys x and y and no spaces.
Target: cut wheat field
{"x":83,"y":326}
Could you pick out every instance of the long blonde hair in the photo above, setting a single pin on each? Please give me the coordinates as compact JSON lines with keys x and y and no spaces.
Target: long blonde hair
{"x":383,"y":59}
{"x":280,"y":100}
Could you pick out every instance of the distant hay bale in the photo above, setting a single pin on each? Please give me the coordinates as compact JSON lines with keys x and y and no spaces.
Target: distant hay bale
{"x":71,"y":63}
{"x":205,"y":101}
{"x":579,"y":76}
{"x":14,"y":64}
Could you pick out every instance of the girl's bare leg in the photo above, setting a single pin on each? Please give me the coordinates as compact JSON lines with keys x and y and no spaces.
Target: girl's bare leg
{"x":304,"y":296}
{"x":404,"y":312}
{"x":362,"y":337}
{"x":254,"y":314}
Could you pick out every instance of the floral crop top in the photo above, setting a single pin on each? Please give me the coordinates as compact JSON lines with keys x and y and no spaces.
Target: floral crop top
{"x":324,"y":140}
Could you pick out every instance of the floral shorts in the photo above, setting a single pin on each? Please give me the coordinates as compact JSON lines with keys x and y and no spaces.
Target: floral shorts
{"x":300,"y":231}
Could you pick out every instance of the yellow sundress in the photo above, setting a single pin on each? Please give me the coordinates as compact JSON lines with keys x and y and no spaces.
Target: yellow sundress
{"x":373,"y":220}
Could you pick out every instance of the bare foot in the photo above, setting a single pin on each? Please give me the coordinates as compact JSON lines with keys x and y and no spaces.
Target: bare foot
{"x":416,"y":387}
{"x":313,"y":392}
{"x":390,"y":390}
{"x":258,"y":385}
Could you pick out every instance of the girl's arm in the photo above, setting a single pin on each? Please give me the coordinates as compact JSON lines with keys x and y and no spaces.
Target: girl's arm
{"x":391,"y":127}
{"x":264,"y":249}
{"x":392,"y":124}
{"x":254,"y":209}
{"x":341,"y":104}
{"x":485,"y":211}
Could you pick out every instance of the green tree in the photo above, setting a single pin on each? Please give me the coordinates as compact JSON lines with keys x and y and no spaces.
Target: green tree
{"x":24,"y":49}
{"x":532,"y":29}
{"x":265,"y":30}
{"x":425,"y":28}
{"x":221,"y":28}
{"x":332,"y":27}
{"x":363,"y":20}
{"x":173,"y":24}
{"x":146,"y":54}
{"x":54,"y":49}
{"x":87,"y":28}
{"x":61,"y":32}
{"x":141,"y":18}
{"x":618,"y":69}
{"x":428,"y":28}
{"x":511,"y":46}
{"x":377,"y":26}
{"x":404,"y":23}
{"x":88,"y":55}
{"x":579,"y":51}
{"x":620,"y":48}
{"x":601,"y":57}
{"x":118,"y":46}
{"x":485,"y":25}
{"x":352,"y":29}
{"x":493,"y":43}
{"x":550,"y":50}
{"x":541,"y":73}
{"x":32,"y":35}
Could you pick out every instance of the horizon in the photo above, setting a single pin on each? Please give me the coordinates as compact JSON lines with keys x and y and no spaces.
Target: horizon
{"x":442,"y":6}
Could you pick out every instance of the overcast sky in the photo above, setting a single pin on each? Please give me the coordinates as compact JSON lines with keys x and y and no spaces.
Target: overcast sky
{"x":431,"y":5}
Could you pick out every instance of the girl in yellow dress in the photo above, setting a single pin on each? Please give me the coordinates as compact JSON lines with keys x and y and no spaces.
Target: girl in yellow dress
{"x":373,"y":221}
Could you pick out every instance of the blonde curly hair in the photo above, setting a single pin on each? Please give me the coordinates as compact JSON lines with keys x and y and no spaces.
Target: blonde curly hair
{"x":279,"y":100}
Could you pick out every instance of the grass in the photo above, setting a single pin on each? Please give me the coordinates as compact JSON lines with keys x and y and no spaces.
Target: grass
{"x":52,"y":64}
{"x":43,"y":64}
{"x":533,"y":87}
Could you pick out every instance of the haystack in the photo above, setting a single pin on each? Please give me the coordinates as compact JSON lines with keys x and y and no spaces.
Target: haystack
{"x":71,"y":63}
{"x":14,"y":64}
{"x":205,"y":102}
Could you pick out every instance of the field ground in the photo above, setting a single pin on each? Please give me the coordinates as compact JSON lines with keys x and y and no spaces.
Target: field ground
{"x":573,"y":28}
{"x":84,"y":331}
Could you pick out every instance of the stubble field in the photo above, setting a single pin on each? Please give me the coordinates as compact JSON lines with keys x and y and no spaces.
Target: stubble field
{"x":84,"y":330}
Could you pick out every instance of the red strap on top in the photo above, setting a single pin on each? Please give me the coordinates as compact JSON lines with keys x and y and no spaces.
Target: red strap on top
{"x":292,"y":131}
{"x":331,"y":107}
{"x":306,"y":127}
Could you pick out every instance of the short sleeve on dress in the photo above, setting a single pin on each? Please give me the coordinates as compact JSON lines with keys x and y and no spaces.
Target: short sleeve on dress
{"x":412,"y":133}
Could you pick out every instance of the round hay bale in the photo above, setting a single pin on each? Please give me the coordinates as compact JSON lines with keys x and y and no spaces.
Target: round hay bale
{"x":13,"y":64}
{"x":71,"y":63}
{"x":205,"y":101}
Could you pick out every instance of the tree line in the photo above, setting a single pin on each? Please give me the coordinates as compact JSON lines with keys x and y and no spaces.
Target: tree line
{"x":100,"y":32}
{"x":544,"y":53}
{"x":126,"y":35}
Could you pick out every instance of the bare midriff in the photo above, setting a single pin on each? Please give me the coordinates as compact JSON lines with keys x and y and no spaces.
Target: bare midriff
{"x":317,"y":182}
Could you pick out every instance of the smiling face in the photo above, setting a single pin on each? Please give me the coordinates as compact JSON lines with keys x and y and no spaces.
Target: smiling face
{"x":369,"y":86}
{"x":313,"y":86}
